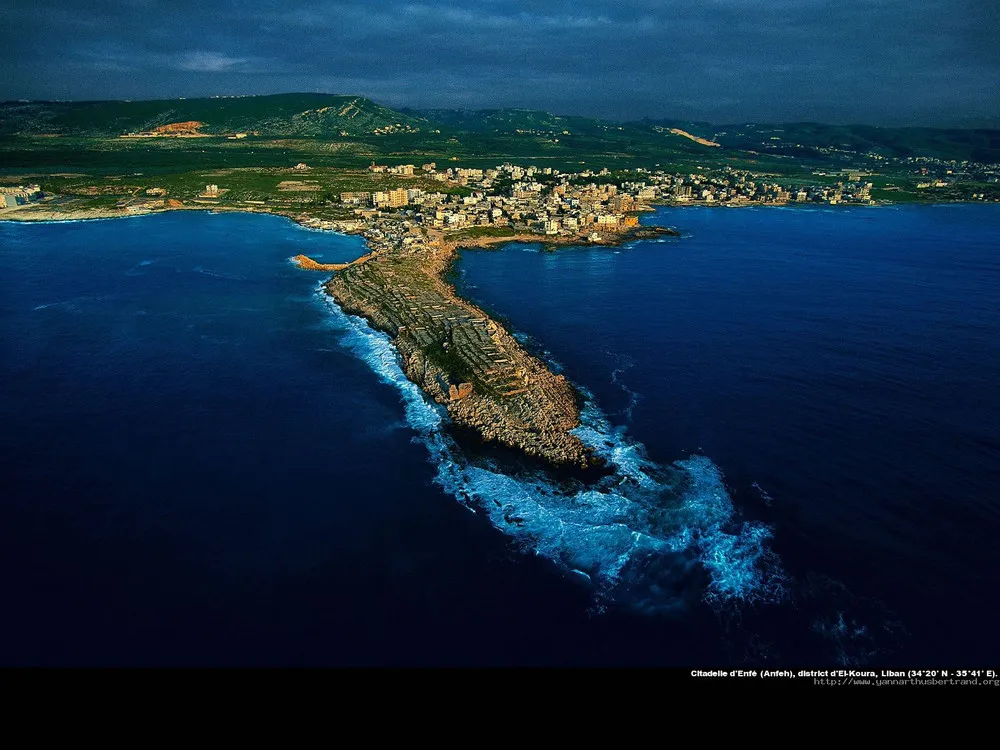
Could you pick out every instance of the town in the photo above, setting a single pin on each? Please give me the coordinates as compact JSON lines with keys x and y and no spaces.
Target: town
{"x":19,"y":195}
{"x":507,"y":197}
{"x":547,"y":201}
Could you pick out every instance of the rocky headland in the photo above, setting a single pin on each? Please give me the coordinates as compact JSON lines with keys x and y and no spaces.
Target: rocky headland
{"x":456,"y":353}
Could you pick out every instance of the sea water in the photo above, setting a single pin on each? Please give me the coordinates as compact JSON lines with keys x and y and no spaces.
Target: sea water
{"x":211,"y":463}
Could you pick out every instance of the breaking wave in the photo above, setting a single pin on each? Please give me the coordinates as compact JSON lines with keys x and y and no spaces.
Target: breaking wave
{"x":645,"y":534}
{"x":622,"y":365}
{"x":219,"y":274}
{"x":853,"y":631}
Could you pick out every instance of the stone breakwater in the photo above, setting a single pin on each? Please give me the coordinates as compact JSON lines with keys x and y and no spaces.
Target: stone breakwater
{"x":458,"y":355}
{"x":308,"y":264}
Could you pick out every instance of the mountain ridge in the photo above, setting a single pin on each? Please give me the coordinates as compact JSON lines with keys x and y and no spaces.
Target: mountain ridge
{"x":313,"y":115}
{"x":296,"y":114}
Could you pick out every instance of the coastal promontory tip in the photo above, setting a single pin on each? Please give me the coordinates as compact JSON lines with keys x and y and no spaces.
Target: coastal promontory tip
{"x":459,"y":356}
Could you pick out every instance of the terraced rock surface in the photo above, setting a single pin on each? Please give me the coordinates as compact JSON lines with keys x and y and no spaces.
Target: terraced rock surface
{"x":458,"y":355}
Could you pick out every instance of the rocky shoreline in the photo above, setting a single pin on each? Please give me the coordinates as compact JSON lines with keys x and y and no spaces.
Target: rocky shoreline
{"x":460,"y":357}
{"x":467,"y":362}
{"x":604,"y":239}
{"x":457,"y":354}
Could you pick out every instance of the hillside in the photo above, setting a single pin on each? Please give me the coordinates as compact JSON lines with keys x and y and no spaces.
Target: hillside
{"x":302,"y":115}
{"x":517,"y":133}
{"x":512,"y":128}
{"x":812,"y":141}
{"x":810,"y":138}
{"x":532,"y":122}
{"x":508,"y":121}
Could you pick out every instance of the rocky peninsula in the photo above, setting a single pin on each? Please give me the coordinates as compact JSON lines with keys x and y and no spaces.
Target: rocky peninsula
{"x":488,"y":383}
{"x":454,"y":351}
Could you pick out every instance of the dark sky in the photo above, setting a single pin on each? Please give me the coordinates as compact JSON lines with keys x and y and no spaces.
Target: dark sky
{"x":933,"y":62}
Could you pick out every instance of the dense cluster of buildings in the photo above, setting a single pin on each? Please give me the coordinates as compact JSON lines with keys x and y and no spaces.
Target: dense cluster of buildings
{"x":405,"y":170}
{"x":547,"y":201}
{"x":19,"y":195}
{"x":740,"y":187}
{"x":537,"y":200}
{"x":945,"y":177}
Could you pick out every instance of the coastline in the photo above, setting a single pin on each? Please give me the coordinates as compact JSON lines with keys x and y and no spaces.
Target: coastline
{"x":457,"y":354}
{"x":581,"y":239}
{"x":32,"y":214}
{"x":460,"y":357}
{"x":36,"y":213}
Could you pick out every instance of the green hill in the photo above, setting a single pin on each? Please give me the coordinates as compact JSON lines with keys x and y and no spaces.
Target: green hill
{"x":505,"y":121}
{"x":810,"y":138}
{"x":302,"y":115}
{"x":507,"y":128}
{"x":513,"y":132}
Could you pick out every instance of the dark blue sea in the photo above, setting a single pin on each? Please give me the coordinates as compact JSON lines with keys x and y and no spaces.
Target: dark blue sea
{"x":206,"y":462}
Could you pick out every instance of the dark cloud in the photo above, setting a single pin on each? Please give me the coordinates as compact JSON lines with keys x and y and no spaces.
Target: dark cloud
{"x":879,"y":61}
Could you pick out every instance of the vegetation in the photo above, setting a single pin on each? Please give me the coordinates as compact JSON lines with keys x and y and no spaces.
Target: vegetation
{"x":71,"y":148}
{"x":315,"y":115}
{"x":362,"y":128}
{"x":458,"y":369}
{"x":812,"y":139}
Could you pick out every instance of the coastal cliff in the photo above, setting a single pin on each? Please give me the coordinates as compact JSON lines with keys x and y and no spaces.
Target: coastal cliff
{"x":458,"y":355}
{"x":449,"y":347}
{"x":462,"y":358}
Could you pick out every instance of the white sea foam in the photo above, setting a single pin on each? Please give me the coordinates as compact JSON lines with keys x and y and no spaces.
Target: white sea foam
{"x":765,"y":496}
{"x":42,"y":222}
{"x":619,"y":533}
{"x":622,"y":365}
{"x":219,"y":274}
{"x":70,"y":305}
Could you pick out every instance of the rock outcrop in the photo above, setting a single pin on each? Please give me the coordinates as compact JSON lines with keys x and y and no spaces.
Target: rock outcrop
{"x":179,"y":128}
{"x":453,"y":350}
{"x":460,"y":391}
{"x":460,"y":357}
{"x":308,"y":264}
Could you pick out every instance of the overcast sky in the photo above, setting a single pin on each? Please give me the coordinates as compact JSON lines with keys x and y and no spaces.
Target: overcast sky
{"x":934,"y":62}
